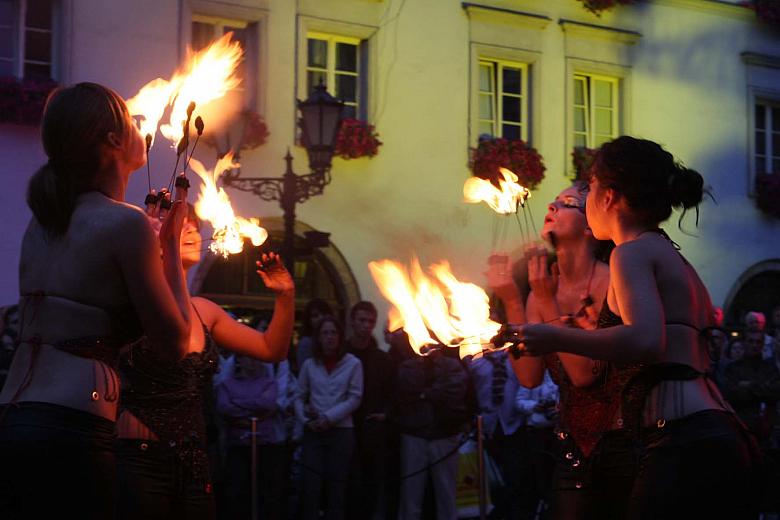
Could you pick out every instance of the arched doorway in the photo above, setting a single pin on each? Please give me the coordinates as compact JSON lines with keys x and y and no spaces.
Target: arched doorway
{"x":319,"y":273}
{"x":757,"y":289}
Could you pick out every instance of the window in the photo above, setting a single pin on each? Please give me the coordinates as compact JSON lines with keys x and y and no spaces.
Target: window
{"x":503,"y":99}
{"x":206,"y":29}
{"x":596,"y":110}
{"x":26,"y":39}
{"x":335,"y":61}
{"x":767,"y":137}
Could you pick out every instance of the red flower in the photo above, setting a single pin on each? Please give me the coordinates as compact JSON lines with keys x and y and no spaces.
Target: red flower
{"x":513,"y":154}
{"x":22,"y":102}
{"x":356,"y":138}
{"x":596,"y":6}
{"x":582,"y":158}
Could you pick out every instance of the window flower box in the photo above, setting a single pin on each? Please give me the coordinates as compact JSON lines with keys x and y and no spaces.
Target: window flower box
{"x":22,"y":101}
{"x":514,"y":154}
{"x":355,"y":139}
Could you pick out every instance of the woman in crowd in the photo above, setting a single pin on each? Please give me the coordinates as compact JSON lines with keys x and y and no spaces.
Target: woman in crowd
{"x":331,"y":388}
{"x":658,"y":312}
{"x":84,"y":294}
{"x":315,"y":310}
{"x":163,"y":463}
{"x":595,"y":468}
{"x":250,"y":388}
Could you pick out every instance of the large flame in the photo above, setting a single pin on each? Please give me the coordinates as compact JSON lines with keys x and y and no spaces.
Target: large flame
{"x":435,"y":309}
{"x":504,"y":200}
{"x":206,"y":75}
{"x":213,"y":205}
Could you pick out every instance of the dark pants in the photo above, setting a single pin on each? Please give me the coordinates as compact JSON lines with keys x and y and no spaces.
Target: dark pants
{"x":56,"y":462}
{"x":326,"y":460}
{"x":595,"y":487}
{"x":156,"y":485}
{"x":366,"y":487}
{"x":700,"y":466}
{"x":510,"y":453}
{"x":273,"y":462}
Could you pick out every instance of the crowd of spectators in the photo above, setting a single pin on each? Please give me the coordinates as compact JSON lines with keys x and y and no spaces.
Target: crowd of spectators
{"x":353,"y":430}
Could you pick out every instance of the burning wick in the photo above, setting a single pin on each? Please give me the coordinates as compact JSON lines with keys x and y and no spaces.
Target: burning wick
{"x":184,"y":142}
{"x":199,"y":129}
{"x":148,"y":168}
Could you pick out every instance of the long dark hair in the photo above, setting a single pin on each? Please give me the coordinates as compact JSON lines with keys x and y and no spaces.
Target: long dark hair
{"x":648,"y":177}
{"x":315,"y":304}
{"x":75,"y":124}
{"x":316,"y":349}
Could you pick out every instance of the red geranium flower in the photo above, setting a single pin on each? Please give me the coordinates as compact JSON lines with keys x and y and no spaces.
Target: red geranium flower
{"x":514,"y":154}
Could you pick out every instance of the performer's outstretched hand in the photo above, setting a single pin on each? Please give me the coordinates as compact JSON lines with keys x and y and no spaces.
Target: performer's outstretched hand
{"x":275,"y":276}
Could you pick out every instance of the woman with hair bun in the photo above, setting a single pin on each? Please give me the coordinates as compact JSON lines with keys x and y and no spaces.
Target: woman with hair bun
{"x":657,"y":312}
{"x":92,"y":282}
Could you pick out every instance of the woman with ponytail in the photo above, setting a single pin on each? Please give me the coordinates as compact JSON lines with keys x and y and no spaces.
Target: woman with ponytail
{"x":657,"y":313}
{"x":91,"y":281}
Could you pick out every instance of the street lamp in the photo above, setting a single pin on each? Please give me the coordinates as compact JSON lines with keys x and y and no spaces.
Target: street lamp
{"x":319,"y":123}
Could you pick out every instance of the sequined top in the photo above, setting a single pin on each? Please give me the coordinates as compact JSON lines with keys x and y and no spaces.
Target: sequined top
{"x":587,"y":413}
{"x":172,"y":399}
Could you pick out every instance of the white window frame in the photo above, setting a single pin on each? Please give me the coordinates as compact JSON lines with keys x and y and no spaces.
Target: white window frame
{"x":331,"y":72}
{"x":19,"y":30}
{"x":590,"y":106}
{"x":225,"y":13}
{"x":770,"y":127}
{"x":496,"y":69}
{"x":251,"y":61}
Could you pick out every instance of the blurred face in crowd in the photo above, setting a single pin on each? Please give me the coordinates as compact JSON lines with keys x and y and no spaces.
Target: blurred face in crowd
{"x":737,"y":351}
{"x":315,"y":319}
{"x":754,"y":344}
{"x":329,"y":339}
{"x":717,"y":344}
{"x":754,"y":322}
{"x":363,"y":324}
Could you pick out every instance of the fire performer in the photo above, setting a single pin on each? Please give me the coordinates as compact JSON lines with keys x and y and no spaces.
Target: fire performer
{"x":595,"y":464}
{"x":162,"y":459}
{"x":692,"y":447}
{"x":91,"y":281}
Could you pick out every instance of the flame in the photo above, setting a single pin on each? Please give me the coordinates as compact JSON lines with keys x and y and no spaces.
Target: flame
{"x":504,"y":200}
{"x":213,"y":204}
{"x":435,"y":309}
{"x":206,"y":76}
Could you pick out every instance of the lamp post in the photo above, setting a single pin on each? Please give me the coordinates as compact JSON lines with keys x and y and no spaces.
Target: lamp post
{"x":319,"y":123}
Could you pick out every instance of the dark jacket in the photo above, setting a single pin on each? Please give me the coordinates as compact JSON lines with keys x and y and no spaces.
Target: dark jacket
{"x":433,"y":394}
{"x":379,"y":379}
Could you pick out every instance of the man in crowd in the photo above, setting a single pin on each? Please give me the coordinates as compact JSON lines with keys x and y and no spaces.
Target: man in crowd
{"x":496,"y":387}
{"x":434,"y":410}
{"x":369,"y":471}
{"x":752,"y":386}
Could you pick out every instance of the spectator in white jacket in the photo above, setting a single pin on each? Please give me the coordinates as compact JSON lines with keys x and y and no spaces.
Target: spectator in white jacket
{"x":330,"y":390}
